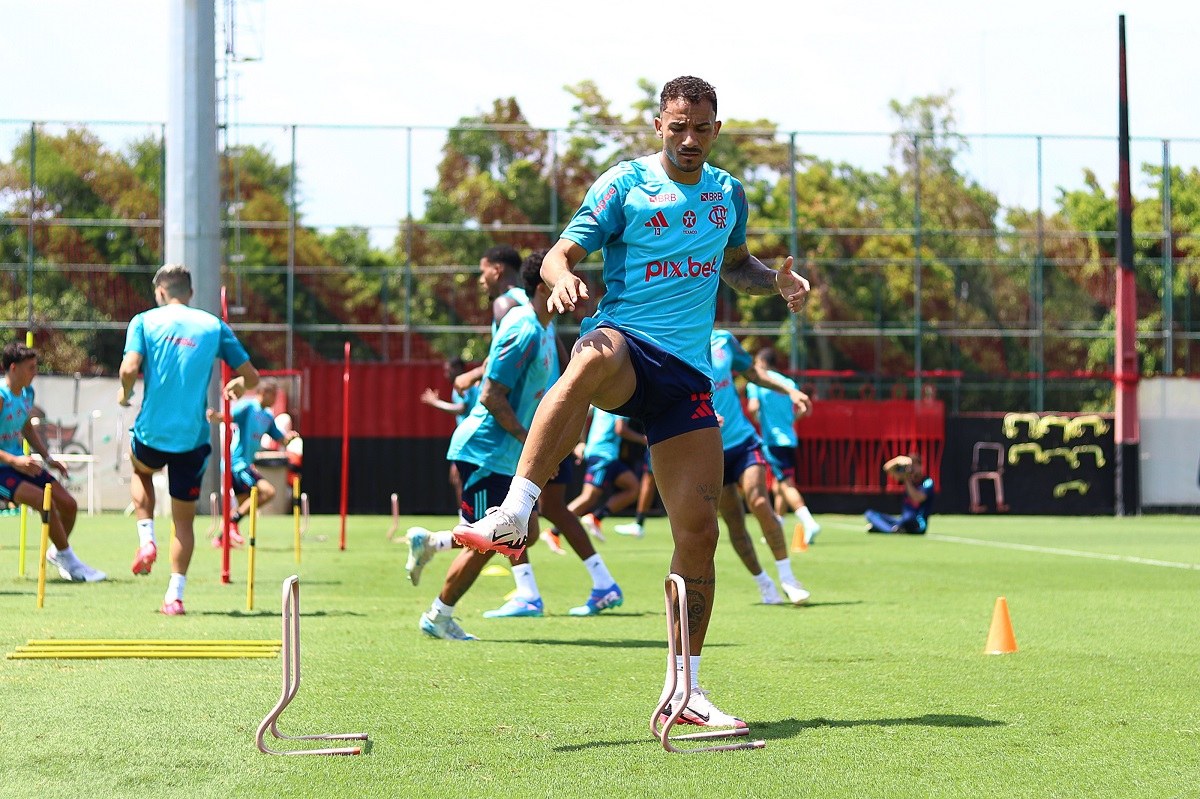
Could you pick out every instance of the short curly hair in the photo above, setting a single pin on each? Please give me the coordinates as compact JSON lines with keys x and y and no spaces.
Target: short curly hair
{"x":687,"y":87}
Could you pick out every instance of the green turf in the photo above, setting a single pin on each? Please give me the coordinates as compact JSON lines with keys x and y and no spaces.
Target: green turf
{"x":879,"y":688}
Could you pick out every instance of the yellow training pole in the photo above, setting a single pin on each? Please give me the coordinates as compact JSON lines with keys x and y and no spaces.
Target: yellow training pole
{"x":41,"y":591}
{"x":250,"y":549}
{"x":296,"y":514}
{"x":24,"y":512}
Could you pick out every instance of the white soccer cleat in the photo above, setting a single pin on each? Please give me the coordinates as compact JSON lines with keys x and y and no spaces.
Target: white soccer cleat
{"x":498,"y":531}
{"x":420,"y":552}
{"x":700,"y":711}
{"x":73,"y":570}
{"x":770,"y":595}
{"x":632,"y":529}
{"x":446,"y":627}
{"x":592,"y":525}
{"x":811,"y":533}
{"x":796,"y":593}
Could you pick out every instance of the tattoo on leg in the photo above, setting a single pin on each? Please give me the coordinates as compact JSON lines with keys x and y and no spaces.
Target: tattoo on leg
{"x":697,"y":605}
{"x":708,"y":493}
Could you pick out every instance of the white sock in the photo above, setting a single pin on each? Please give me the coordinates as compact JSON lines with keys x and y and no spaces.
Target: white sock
{"x":694,"y":662}
{"x":440,"y":608}
{"x":522,"y":499}
{"x":763,"y":580}
{"x":175,"y":587}
{"x":600,"y":576}
{"x":526,"y":584}
{"x":784,"y":567}
{"x":145,"y":530}
{"x":442,"y":540}
{"x":806,"y":518}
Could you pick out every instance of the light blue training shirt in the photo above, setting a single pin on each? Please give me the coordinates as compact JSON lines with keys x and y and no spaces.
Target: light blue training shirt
{"x":253,"y":422}
{"x":664,"y":243}
{"x":776,"y":414}
{"x":519,"y":358}
{"x":178,"y":344}
{"x":729,"y":359}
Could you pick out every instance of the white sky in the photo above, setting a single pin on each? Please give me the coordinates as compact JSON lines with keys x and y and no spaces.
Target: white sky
{"x":1046,"y":67}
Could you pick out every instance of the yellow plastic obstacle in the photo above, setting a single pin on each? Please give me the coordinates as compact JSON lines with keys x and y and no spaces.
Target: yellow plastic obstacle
{"x":158,"y":648}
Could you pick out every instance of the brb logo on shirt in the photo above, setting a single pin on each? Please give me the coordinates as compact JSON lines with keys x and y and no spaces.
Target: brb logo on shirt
{"x":680,"y":269}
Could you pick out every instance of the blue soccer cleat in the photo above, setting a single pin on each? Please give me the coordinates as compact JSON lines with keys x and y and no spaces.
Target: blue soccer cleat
{"x":600,"y":599}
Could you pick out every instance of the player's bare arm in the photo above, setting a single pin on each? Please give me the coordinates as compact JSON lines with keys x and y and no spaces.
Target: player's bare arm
{"x":494,"y":397}
{"x":131,"y":364}
{"x":747,"y":274}
{"x":567,"y":289}
{"x":759,"y":375}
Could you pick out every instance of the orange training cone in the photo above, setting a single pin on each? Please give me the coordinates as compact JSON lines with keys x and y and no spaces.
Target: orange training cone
{"x":798,"y":542}
{"x":1000,"y":640}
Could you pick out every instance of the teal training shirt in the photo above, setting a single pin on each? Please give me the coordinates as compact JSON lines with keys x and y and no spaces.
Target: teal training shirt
{"x":729,"y":359}
{"x":178,"y":345}
{"x":253,"y":422}
{"x":663,"y":243}
{"x":603,"y":441}
{"x":776,"y":414}
{"x":519,"y":358}
{"x":15,"y":414}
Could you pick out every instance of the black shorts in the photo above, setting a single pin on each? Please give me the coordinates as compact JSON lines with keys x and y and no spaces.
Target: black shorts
{"x":185,"y":470}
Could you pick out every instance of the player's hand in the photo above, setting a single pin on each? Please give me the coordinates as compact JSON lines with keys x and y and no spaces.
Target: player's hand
{"x":58,"y":466}
{"x":429,"y":396}
{"x":801,"y":403}
{"x":792,"y":287}
{"x":123,"y":398}
{"x":234,"y":389}
{"x":25,"y":464}
{"x":568,"y":292}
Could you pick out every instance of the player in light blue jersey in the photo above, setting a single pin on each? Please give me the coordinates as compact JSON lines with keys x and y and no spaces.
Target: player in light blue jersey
{"x":777,"y":419}
{"x":526,"y":600}
{"x":23,"y":479}
{"x":670,"y":227}
{"x":460,"y":404}
{"x":500,"y":279}
{"x":254,"y":418}
{"x":745,"y":467}
{"x":600,"y":454}
{"x":174,"y":346}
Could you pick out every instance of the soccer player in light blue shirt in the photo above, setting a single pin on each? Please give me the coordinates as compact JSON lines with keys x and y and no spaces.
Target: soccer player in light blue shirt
{"x":174,"y":346}
{"x":601,"y":456}
{"x":777,"y":419}
{"x":254,"y":418}
{"x":670,"y":227}
{"x":745,"y":468}
{"x":23,"y":479}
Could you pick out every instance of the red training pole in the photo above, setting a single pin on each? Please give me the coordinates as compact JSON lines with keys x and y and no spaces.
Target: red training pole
{"x":226,"y":447}
{"x":345,"y":441}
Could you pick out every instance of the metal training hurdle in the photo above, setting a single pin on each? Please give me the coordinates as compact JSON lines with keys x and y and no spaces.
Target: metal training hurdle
{"x":291,"y":685}
{"x":677,"y":641}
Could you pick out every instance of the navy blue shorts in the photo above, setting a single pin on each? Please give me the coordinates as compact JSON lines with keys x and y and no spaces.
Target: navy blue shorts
{"x":565,"y":473}
{"x":244,"y":480}
{"x":481,"y":490}
{"x":602,"y":472}
{"x":185,"y":470}
{"x":741,"y":457}
{"x":782,"y":461}
{"x":10,"y":478}
{"x":671,"y":397}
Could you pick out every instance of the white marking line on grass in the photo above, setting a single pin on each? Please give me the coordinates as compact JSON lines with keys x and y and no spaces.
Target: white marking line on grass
{"x":1070,"y":552}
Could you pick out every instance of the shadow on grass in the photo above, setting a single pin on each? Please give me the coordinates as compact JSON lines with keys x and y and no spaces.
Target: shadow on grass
{"x":254,"y":614}
{"x":627,"y":643}
{"x":790,"y":728}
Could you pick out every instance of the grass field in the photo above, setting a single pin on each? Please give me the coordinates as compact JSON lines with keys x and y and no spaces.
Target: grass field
{"x":878,"y":688}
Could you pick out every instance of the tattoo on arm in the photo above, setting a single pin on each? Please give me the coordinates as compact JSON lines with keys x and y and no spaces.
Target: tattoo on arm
{"x":747,"y":274}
